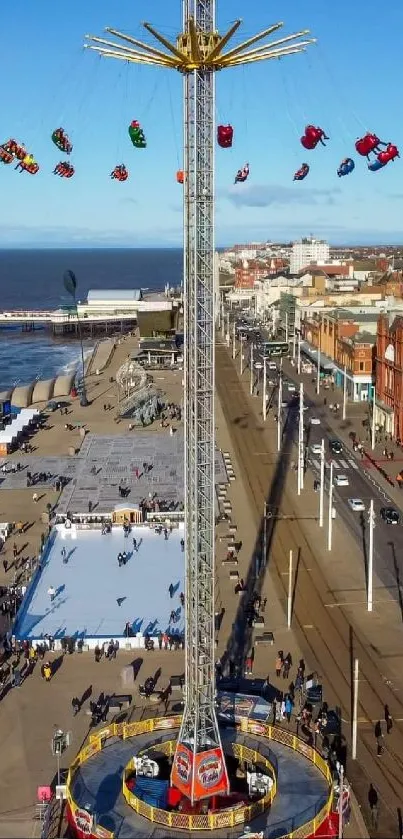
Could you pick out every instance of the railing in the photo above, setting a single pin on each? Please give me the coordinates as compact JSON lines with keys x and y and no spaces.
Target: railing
{"x":210,"y":821}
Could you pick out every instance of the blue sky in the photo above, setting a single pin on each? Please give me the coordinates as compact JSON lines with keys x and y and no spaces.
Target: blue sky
{"x":348,"y":83}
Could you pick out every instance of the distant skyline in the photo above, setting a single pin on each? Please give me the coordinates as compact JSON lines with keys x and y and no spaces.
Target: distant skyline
{"x":95,"y":99}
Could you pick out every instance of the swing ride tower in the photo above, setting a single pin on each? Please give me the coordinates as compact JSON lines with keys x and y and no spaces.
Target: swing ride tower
{"x":199,"y":767}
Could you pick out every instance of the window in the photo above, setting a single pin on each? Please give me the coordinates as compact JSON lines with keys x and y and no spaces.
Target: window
{"x":361,"y":365}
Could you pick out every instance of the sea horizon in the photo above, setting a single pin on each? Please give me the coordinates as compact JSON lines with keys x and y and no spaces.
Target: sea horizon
{"x":32,"y":278}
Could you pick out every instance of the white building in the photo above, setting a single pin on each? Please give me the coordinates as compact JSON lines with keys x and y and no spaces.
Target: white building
{"x":308,"y":251}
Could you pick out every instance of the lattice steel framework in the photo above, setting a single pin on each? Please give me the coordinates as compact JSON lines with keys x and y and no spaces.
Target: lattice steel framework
{"x":199,"y":732}
{"x":198,"y":54}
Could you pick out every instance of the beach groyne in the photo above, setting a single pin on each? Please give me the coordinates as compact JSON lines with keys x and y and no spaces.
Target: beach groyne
{"x":58,"y":387}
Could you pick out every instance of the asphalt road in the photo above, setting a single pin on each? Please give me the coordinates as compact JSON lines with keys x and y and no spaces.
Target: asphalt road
{"x":388,"y":539}
{"x":325,"y":635}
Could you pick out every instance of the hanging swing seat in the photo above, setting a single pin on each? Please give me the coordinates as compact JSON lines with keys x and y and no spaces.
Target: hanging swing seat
{"x":31,"y":168}
{"x":61,"y":140}
{"x":225,"y":136}
{"x":136,"y":135}
{"x":180,"y":176}
{"x":5,"y":155}
{"x":15,"y":149}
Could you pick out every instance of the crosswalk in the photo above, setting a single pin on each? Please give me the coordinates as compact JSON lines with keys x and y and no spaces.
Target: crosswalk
{"x":337,"y":464}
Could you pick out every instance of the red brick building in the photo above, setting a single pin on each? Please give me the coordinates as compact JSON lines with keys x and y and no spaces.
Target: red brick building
{"x":389,"y":375}
{"x":249,"y":272}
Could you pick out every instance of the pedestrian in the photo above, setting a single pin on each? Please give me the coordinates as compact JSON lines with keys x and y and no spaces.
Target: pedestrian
{"x":5,"y":566}
{"x":76,"y":705}
{"x":388,"y":719}
{"x":288,"y":708}
{"x":287,"y":663}
{"x":279,"y":663}
{"x":63,"y":553}
{"x":52,"y":593}
{"x":47,"y":671}
{"x":135,"y":544}
{"x":379,"y":738}
{"x":90,"y":506}
{"x":373,"y":803}
{"x":35,"y":497}
{"x":15,"y":551}
{"x":97,"y":653}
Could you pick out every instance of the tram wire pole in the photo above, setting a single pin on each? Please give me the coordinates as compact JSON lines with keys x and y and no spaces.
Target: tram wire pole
{"x":289,"y":598}
{"x":355,"y":711}
{"x":370,"y":586}
{"x":330,"y":519}
{"x":322,"y":483}
{"x":344,"y":393}
{"x":279,"y":408}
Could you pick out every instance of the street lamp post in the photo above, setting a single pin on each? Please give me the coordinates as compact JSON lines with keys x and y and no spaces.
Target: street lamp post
{"x":355,"y":710}
{"x":330,"y":519}
{"x":233,"y":340}
{"x":373,"y":419}
{"x":371,"y":522}
{"x":279,"y":408}
{"x":322,"y":483}
{"x":289,"y":597}
{"x":264,"y":411}
{"x":70,"y":284}
{"x":319,"y":353}
{"x":299,"y":354}
{"x":344,"y":392}
{"x":251,"y":369}
{"x":318,"y":374}
{"x":301,"y":440}
{"x":242,"y":340}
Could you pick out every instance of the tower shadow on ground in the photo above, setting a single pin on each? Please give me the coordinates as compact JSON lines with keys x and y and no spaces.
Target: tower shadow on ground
{"x":240,"y":639}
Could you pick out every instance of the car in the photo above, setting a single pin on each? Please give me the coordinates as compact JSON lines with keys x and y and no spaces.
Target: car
{"x":390,"y":515}
{"x":291,"y":387}
{"x":316,"y":448}
{"x":272,"y":365}
{"x":341,"y":481}
{"x":356,"y":504}
{"x":335,"y":446}
{"x":315,"y":421}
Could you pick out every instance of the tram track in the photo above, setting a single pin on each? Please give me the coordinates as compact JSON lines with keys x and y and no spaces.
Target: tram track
{"x":332,"y":642}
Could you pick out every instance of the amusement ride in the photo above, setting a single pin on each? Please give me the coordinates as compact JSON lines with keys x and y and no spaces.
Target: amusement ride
{"x":199,"y":769}
{"x":199,"y":766}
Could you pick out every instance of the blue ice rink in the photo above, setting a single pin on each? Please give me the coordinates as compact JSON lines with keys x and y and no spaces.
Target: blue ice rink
{"x":94,"y":597}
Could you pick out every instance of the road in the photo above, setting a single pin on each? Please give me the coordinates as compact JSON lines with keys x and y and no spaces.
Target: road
{"x":362,"y":483}
{"x":388,"y":539}
{"x":326,"y":636}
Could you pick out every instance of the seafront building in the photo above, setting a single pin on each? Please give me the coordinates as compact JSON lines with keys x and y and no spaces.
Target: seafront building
{"x":308,"y":251}
{"x":106,"y":312}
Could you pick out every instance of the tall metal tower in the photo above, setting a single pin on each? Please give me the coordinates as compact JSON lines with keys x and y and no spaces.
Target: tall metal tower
{"x":199,"y":768}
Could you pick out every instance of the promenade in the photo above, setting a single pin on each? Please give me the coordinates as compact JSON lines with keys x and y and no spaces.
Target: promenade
{"x":28,"y":715}
{"x":330,"y":620}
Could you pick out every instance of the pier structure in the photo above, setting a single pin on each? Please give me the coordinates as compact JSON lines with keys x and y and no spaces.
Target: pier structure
{"x":95,"y":317}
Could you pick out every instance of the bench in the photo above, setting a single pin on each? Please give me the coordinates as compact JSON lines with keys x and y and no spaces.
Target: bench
{"x":119,"y":701}
{"x":266,"y":638}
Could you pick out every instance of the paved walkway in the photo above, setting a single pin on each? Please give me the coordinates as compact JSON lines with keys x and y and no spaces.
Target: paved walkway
{"x":330,"y":618}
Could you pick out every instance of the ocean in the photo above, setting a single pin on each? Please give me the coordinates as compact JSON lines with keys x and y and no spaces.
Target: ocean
{"x":33,"y":279}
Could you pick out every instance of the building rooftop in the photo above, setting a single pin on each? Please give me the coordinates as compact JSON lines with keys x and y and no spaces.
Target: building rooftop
{"x":106,"y":295}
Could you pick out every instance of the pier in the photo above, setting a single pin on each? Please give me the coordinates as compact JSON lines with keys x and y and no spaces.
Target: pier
{"x":95,"y":316}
